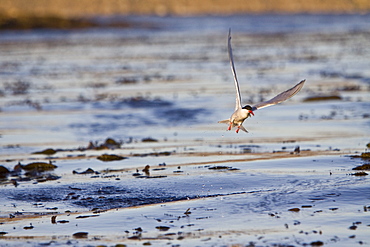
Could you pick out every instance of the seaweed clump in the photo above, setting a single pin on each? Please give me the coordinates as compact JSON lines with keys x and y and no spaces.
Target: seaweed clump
{"x":48,"y":151}
{"x":110,"y":157}
{"x":149,"y":139}
{"x":364,"y":156}
{"x":4,"y":171}
{"x":39,"y":166}
{"x":322,"y":98}
{"x":38,"y":171}
{"x":109,"y":143}
{"x":362,"y":167}
{"x":359,"y":174}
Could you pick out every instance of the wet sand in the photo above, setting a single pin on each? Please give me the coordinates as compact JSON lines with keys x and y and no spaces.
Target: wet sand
{"x":288,"y":200}
{"x":134,"y":155}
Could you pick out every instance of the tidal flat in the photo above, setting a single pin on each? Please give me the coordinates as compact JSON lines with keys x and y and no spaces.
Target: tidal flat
{"x":109,"y":136}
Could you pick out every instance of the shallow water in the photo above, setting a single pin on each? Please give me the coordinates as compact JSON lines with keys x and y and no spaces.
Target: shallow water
{"x":172,"y":83}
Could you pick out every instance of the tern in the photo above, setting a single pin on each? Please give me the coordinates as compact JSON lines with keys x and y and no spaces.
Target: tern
{"x":243,"y":112}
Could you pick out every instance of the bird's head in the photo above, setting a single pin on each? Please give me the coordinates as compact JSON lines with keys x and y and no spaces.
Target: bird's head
{"x":249,"y":109}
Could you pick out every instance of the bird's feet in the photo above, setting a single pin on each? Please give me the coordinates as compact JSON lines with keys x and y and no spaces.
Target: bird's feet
{"x":237,"y":130}
{"x":230,"y":125}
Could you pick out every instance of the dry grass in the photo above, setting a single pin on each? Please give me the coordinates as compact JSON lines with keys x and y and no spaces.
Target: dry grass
{"x":83,"y":8}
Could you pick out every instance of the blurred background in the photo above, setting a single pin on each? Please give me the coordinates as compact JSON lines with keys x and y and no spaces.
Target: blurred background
{"x":78,"y":71}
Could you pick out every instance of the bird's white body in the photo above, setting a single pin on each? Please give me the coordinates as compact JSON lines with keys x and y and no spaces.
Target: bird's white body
{"x":237,"y":119}
{"x":242,"y":113}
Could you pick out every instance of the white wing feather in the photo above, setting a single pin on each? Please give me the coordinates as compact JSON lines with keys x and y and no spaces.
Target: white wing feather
{"x":280,"y":97}
{"x":238,"y":97}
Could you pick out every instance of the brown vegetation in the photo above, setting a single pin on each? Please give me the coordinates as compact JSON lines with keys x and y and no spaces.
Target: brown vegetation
{"x":84,"y":8}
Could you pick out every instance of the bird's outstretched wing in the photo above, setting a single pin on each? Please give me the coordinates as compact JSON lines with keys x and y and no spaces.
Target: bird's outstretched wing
{"x":281,"y":97}
{"x":230,"y":51}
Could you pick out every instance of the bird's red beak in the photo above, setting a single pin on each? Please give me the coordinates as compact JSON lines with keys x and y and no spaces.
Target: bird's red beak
{"x":251,"y":112}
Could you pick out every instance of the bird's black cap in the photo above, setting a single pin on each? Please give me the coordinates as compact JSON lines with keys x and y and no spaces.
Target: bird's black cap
{"x":248,"y":107}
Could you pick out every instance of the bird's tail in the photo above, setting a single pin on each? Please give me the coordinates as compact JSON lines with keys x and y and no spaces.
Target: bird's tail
{"x":226,"y":121}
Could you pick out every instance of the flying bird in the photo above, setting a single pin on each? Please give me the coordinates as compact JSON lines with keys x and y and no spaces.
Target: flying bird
{"x":243,"y":112}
